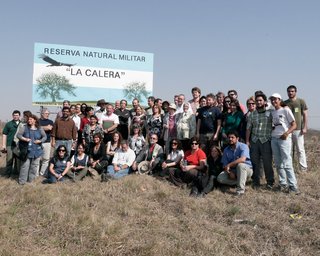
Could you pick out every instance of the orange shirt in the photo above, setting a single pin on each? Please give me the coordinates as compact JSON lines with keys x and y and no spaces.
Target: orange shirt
{"x":196,"y":157}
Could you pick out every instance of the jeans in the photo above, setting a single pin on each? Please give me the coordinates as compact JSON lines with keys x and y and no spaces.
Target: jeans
{"x":262,"y":151}
{"x":119,"y":174}
{"x":244,"y":172}
{"x":281,"y":150}
{"x":43,"y":170}
{"x":66,"y":143}
{"x":28,"y":170}
{"x":53,"y":179}
{"x":298,"y":144}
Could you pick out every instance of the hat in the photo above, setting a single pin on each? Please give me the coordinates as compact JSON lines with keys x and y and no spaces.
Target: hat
{"x":143,"y":167}
{"x":275,"y":95}
{"x":173,"y":106}
{"x":102,"y":101}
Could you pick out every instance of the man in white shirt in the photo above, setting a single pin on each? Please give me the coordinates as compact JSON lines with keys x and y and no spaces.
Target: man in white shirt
{"x":109,"y":122}
{"x":122,"y":161}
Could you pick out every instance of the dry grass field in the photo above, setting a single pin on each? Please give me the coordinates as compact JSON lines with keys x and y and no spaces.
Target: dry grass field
{"x":140,"y":215}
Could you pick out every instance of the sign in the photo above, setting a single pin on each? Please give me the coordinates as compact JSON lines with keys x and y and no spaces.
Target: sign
{"x":83,"y":74}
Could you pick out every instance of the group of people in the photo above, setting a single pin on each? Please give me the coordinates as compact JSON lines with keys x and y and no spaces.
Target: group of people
{"x":204,"y":142}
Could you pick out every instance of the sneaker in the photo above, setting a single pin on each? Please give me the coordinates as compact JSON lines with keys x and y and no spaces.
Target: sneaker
{"x":294,"y":190}
{"x":239,"y":193}
{"x":284,"y":188}
{"x":104,"y":177}
{"x":194,"y":192}
{"x":269,"y":187}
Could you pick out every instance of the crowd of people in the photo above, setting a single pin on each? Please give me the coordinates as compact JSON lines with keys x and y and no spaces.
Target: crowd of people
{"x":202,"y":143}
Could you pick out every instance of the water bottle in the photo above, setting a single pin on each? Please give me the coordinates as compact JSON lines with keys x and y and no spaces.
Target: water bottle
{"x":30,"y":145}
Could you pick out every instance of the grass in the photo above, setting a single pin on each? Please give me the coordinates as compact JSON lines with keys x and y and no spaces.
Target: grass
{"x":140,"y":215}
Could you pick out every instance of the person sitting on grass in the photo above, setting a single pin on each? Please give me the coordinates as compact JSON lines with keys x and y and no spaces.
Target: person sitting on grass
{"x":79,"y":164}
{"x":58,"y":166}
{"x":121,"y":163}
{"x":237,"y":166}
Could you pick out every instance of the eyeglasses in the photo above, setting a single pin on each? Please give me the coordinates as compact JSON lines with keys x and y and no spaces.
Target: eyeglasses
{"x":153,"y":138}
{"x":61,"y":150}
{"x":194,"y":143}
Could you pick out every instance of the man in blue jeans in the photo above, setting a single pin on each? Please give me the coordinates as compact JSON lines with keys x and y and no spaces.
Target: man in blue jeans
{"x":237,"y":166}
{"x":122,"y":161}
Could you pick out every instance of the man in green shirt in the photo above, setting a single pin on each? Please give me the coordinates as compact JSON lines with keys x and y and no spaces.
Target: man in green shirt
{"x":8,"y":143}
{"x":300,"y":111}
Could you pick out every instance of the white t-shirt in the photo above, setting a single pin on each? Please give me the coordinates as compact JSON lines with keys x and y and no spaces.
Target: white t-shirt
{"x":281,"y":121}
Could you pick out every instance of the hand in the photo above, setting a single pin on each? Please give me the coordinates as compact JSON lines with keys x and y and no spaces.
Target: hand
{"x":164,"y":165}
{"x":116,"y":168}
{"x":284,"y":136}
{"x":59,"y":177}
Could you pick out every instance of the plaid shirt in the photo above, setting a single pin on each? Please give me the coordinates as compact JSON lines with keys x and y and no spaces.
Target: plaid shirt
{"x":260,"y":126}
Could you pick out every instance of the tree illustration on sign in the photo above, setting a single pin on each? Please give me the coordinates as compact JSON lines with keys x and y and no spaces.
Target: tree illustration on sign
{"x":135,"y":90}
{"x":51,"y":85}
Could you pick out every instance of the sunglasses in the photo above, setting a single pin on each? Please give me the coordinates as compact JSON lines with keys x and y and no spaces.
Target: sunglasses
{"x":250,"y":103}
{"x":194,"y":143}
{"x":61,"y":150}
{"x":153,"y":138}
{"x":227,"y":101}
{"x":174,"y":143}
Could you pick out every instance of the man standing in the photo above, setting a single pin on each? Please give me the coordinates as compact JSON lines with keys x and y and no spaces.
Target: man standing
{"x":124,"y":119}
{"x":64,"y":131}
{"x":8,"y":143}
{"x":300,"y":112}
{"x":122,"y":161}
{"x":209,"y":123}
{"x":195,"y":102}
{"x":237,"y":166}
{"x":47,"y":126}
{"x":258,"y":138}
{"x":110,"y":122}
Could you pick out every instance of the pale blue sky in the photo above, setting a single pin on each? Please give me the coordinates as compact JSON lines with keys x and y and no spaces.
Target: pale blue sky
{"x":216,"y":45}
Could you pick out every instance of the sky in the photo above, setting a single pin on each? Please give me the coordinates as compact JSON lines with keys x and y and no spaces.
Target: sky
{"x":245,"y":45}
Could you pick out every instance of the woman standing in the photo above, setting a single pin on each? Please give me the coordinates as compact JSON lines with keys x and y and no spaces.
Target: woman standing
{"x":169,"y":126}
{"x":136,"y":139}
{"x":89,"y":131}
{"x":31,"y":136}
{"x":284,"y":124}
{"x":186,"y":126}
{"x":233,"y":121}
{"x":154,"y":123}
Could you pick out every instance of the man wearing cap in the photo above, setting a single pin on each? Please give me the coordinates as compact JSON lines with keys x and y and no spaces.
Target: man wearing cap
{"x":101,"y":108}
{"x":300,"y":111}
{"x":283,"y":125}
{"x":258,"y":138}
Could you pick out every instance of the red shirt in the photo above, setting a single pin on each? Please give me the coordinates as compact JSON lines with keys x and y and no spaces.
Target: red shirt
{"x":196,"y":157}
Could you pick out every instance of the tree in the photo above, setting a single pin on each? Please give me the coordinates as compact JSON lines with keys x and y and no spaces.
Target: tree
{"x":51,"y":85}
{"x":135,"y":90}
